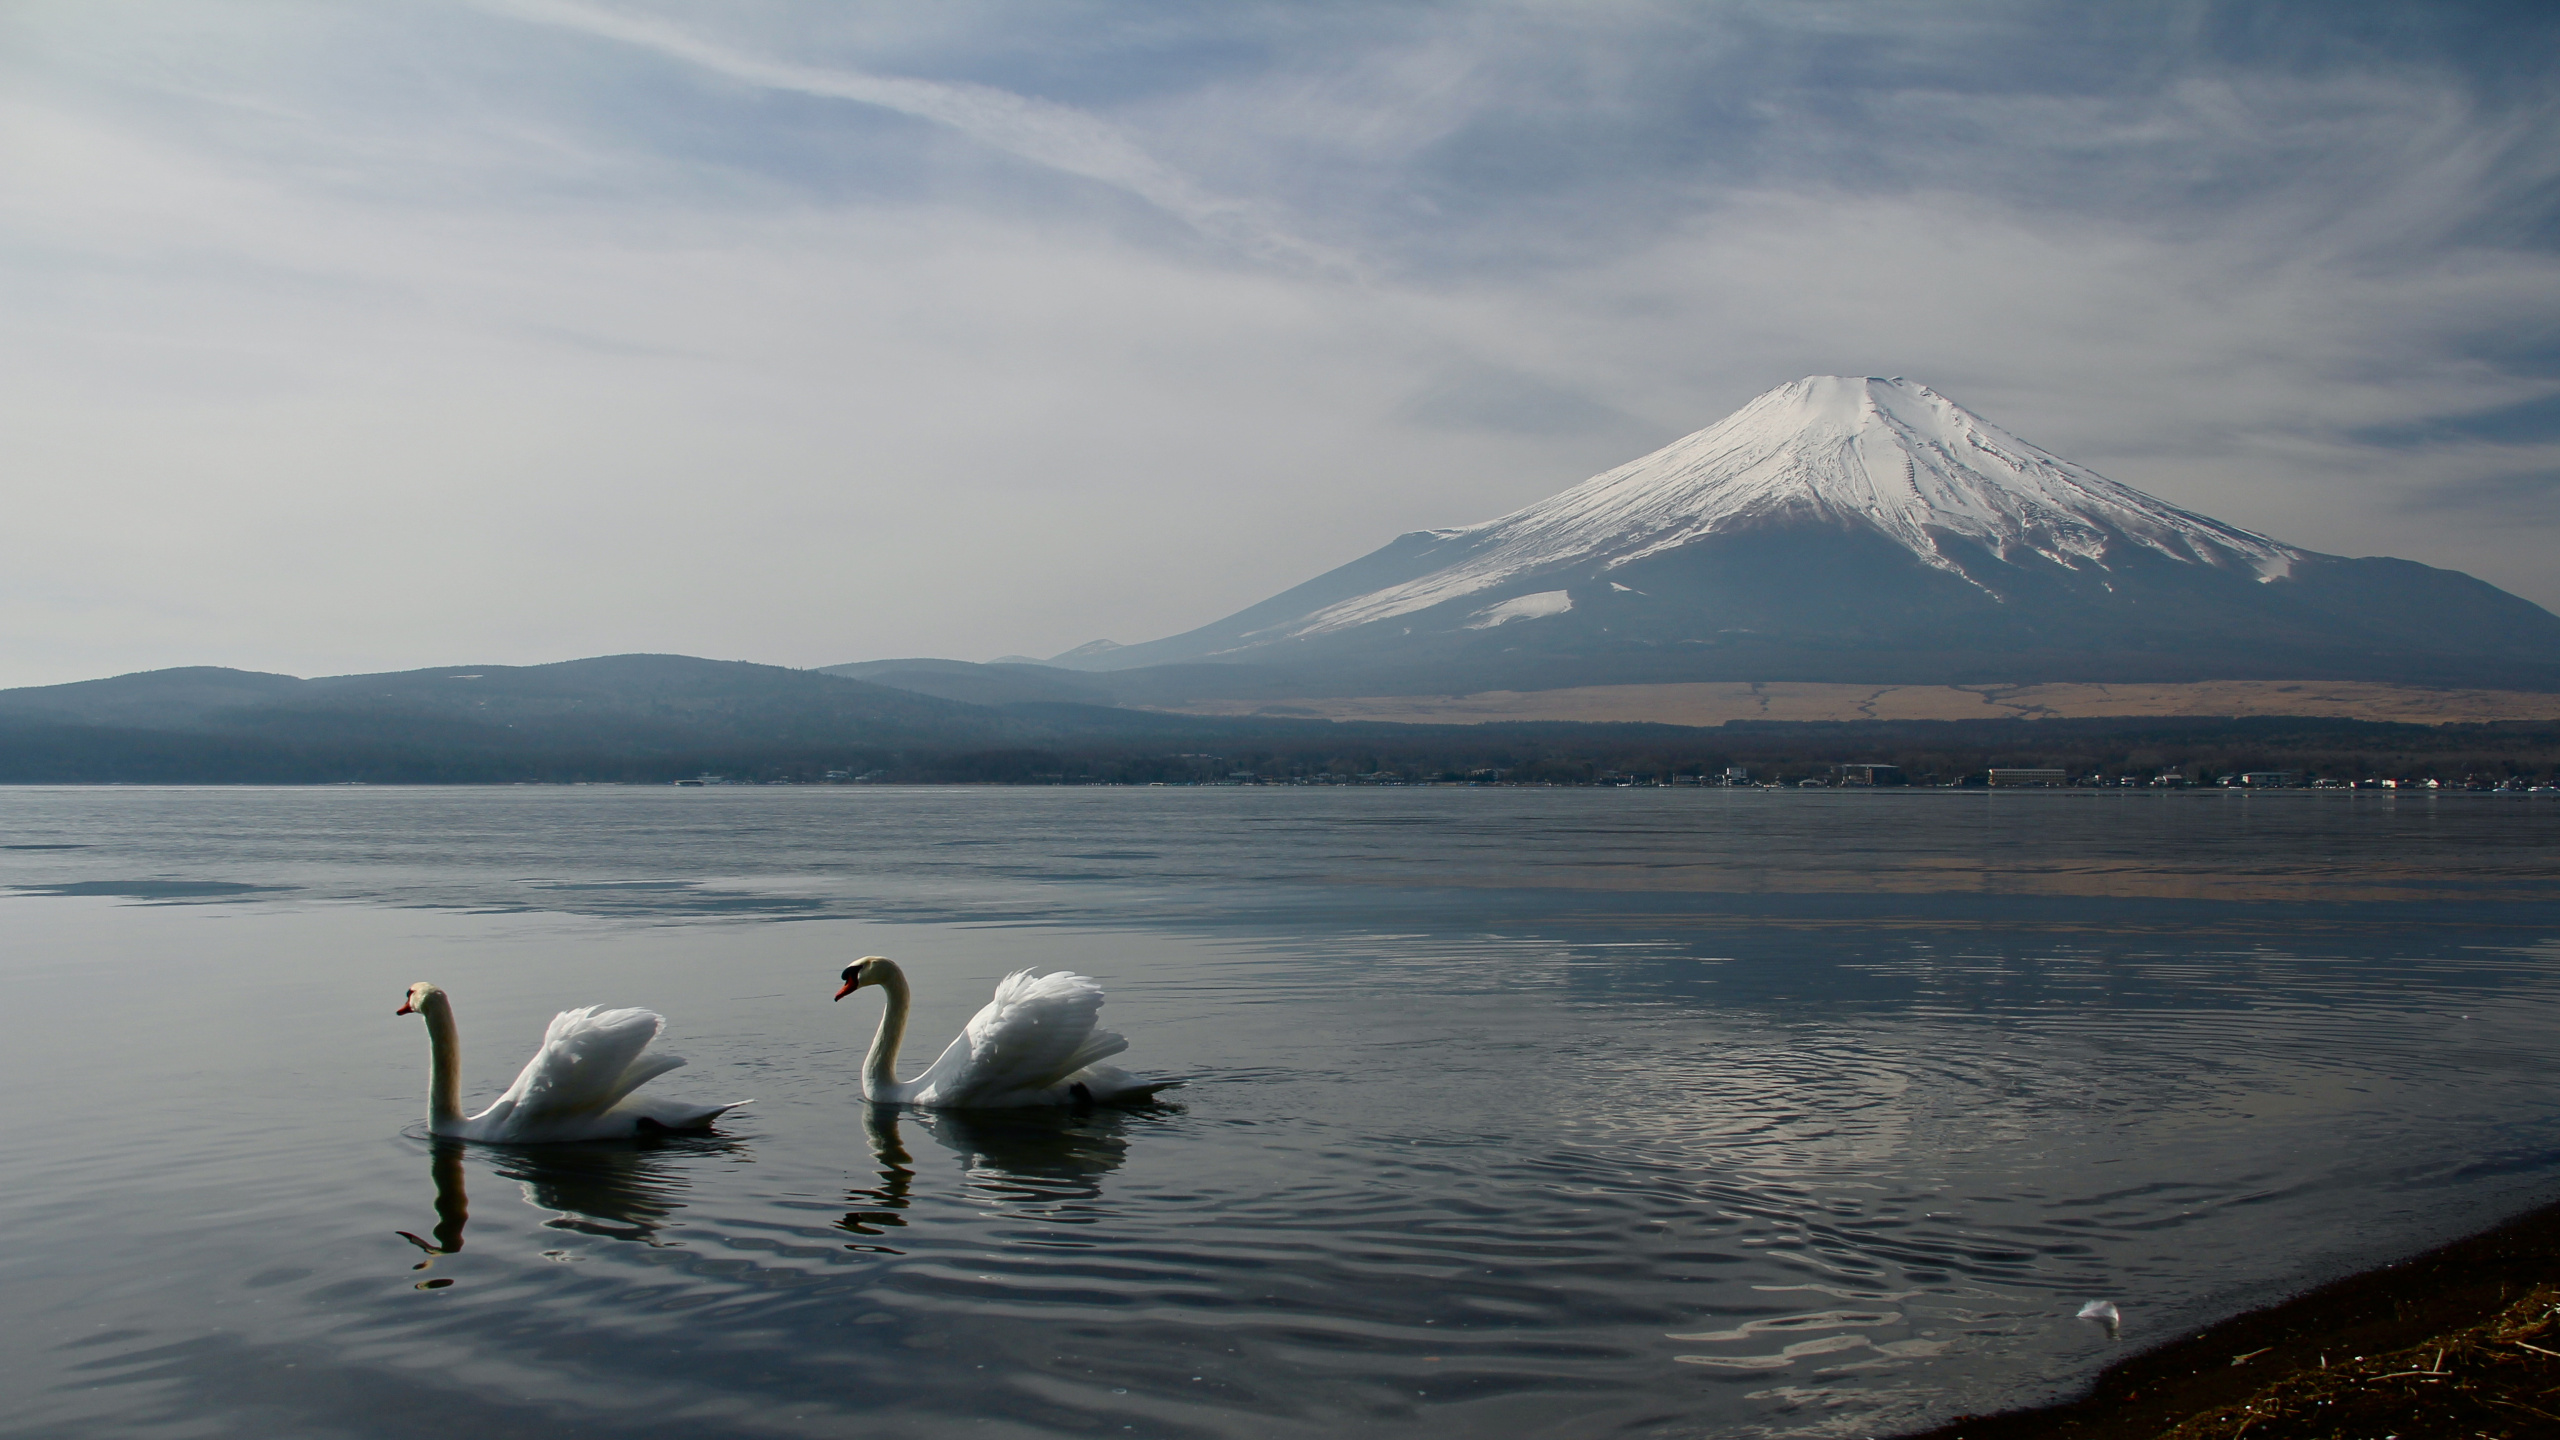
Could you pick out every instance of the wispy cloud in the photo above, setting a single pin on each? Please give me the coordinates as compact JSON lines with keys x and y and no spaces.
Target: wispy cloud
{"x":2527,"y":421}
{"x":2528,"y":497}
{"x":1057,"y":136}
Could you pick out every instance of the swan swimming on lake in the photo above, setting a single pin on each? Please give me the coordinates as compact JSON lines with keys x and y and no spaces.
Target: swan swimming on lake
{"x":576,"y":1087}
{"x":1035,"y":1043}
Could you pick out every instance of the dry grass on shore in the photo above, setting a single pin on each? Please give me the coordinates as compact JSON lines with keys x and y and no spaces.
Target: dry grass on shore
{"x":2499,"y":1379}
{"x":2460,"y":1343}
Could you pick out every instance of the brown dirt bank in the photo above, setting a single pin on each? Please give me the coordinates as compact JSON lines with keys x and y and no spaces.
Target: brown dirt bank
{"x":2462,"y":1341}
{"x":1716,"y":703}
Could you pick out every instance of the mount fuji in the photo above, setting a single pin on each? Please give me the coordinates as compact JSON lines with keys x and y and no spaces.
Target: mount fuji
{"x":1860,"y":530}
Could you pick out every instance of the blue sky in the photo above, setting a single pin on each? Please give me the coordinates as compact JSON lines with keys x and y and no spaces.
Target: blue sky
{"x":363,"y":337}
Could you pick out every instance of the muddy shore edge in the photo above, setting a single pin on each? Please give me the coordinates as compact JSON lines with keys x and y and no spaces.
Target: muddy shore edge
{"x":2463,"y":1340}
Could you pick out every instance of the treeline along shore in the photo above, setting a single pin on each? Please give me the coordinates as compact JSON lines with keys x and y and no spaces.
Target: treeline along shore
{"x":2114,"y":752}
{"x":656,"y":719}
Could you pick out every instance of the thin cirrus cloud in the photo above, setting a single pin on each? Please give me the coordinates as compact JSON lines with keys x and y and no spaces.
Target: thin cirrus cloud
{"x":1058,"y":136}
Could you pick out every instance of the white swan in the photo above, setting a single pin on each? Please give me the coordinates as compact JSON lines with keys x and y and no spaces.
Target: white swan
{"x":576,"y":1087}
{"x":1034,"y":1044}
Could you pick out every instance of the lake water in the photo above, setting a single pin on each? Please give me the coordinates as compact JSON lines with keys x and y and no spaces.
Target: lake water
{"x":1518,"y":1113}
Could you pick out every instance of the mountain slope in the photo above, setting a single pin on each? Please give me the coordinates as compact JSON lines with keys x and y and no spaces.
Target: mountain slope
{"x":1000,"y":683}
{"x":1859,"y":529}
{"x":634,"y":700}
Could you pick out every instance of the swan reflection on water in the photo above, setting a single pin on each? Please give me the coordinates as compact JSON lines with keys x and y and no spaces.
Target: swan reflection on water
{"x":876,"y":1207}
{"x":616,"y":1190}
{"x":1007,"y":1155}
{"x":453,"y":1210}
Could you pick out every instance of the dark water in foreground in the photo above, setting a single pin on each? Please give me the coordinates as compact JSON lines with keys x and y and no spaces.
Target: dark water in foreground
{"x":1568,"y":1113}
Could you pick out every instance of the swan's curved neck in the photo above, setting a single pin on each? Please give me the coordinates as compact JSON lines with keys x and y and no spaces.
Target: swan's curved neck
{"x":880,"y":1071}
{"x":444,"y":1064}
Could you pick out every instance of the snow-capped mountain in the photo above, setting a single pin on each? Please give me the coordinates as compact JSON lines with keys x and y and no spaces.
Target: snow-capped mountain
{"x":1895,"y":457}
{"x":1862,"y":529}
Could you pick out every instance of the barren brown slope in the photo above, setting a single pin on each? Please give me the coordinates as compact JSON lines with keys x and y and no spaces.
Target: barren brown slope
{"x":1716,"y":703}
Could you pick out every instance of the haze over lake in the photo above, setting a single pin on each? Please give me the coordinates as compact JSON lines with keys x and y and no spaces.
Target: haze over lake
{"x":1572,"y":1112}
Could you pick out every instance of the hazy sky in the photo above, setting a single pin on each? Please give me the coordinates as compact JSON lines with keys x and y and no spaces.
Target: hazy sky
{"x":366,"y":336}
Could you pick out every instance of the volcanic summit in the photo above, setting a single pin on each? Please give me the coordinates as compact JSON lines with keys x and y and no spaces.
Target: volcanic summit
{"x":1861,"y":529}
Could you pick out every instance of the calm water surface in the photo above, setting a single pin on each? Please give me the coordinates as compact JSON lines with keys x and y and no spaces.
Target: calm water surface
{"x":1565,"y":1113}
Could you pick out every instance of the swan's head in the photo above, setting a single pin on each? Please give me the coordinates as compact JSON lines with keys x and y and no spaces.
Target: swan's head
{"x":865,"y":971}
{"x":417,"y":998}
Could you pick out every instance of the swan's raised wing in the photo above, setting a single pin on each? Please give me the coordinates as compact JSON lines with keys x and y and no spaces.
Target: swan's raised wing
{"x":1037,"y":1031}
{"x":590,"y":1058}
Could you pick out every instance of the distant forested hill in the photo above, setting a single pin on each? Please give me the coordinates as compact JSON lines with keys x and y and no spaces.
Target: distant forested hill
{"x":658,"y":718}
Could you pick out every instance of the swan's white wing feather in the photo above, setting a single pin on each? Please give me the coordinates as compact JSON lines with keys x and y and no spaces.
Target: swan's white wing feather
{"x":1098,"y":1046}
{"x":647,"y":1068}
{"x":1035,"y":1033}
{"x":589,"y":1060}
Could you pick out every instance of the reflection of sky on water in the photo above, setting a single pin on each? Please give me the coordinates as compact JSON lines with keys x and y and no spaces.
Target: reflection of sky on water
{"x":1099,"y":856}
{"x":162,"y":890}
{"x":1773,"y":1157}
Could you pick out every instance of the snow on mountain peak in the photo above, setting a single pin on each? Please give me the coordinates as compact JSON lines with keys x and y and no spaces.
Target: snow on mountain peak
{"x":1886,"y":454}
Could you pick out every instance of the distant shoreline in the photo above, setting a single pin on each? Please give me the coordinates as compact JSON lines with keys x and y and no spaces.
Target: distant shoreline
{"x":1716,"y":703}
{"x":2546,"y":792}
{"x":669,"y":718}
{"x":2413,"y":792}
